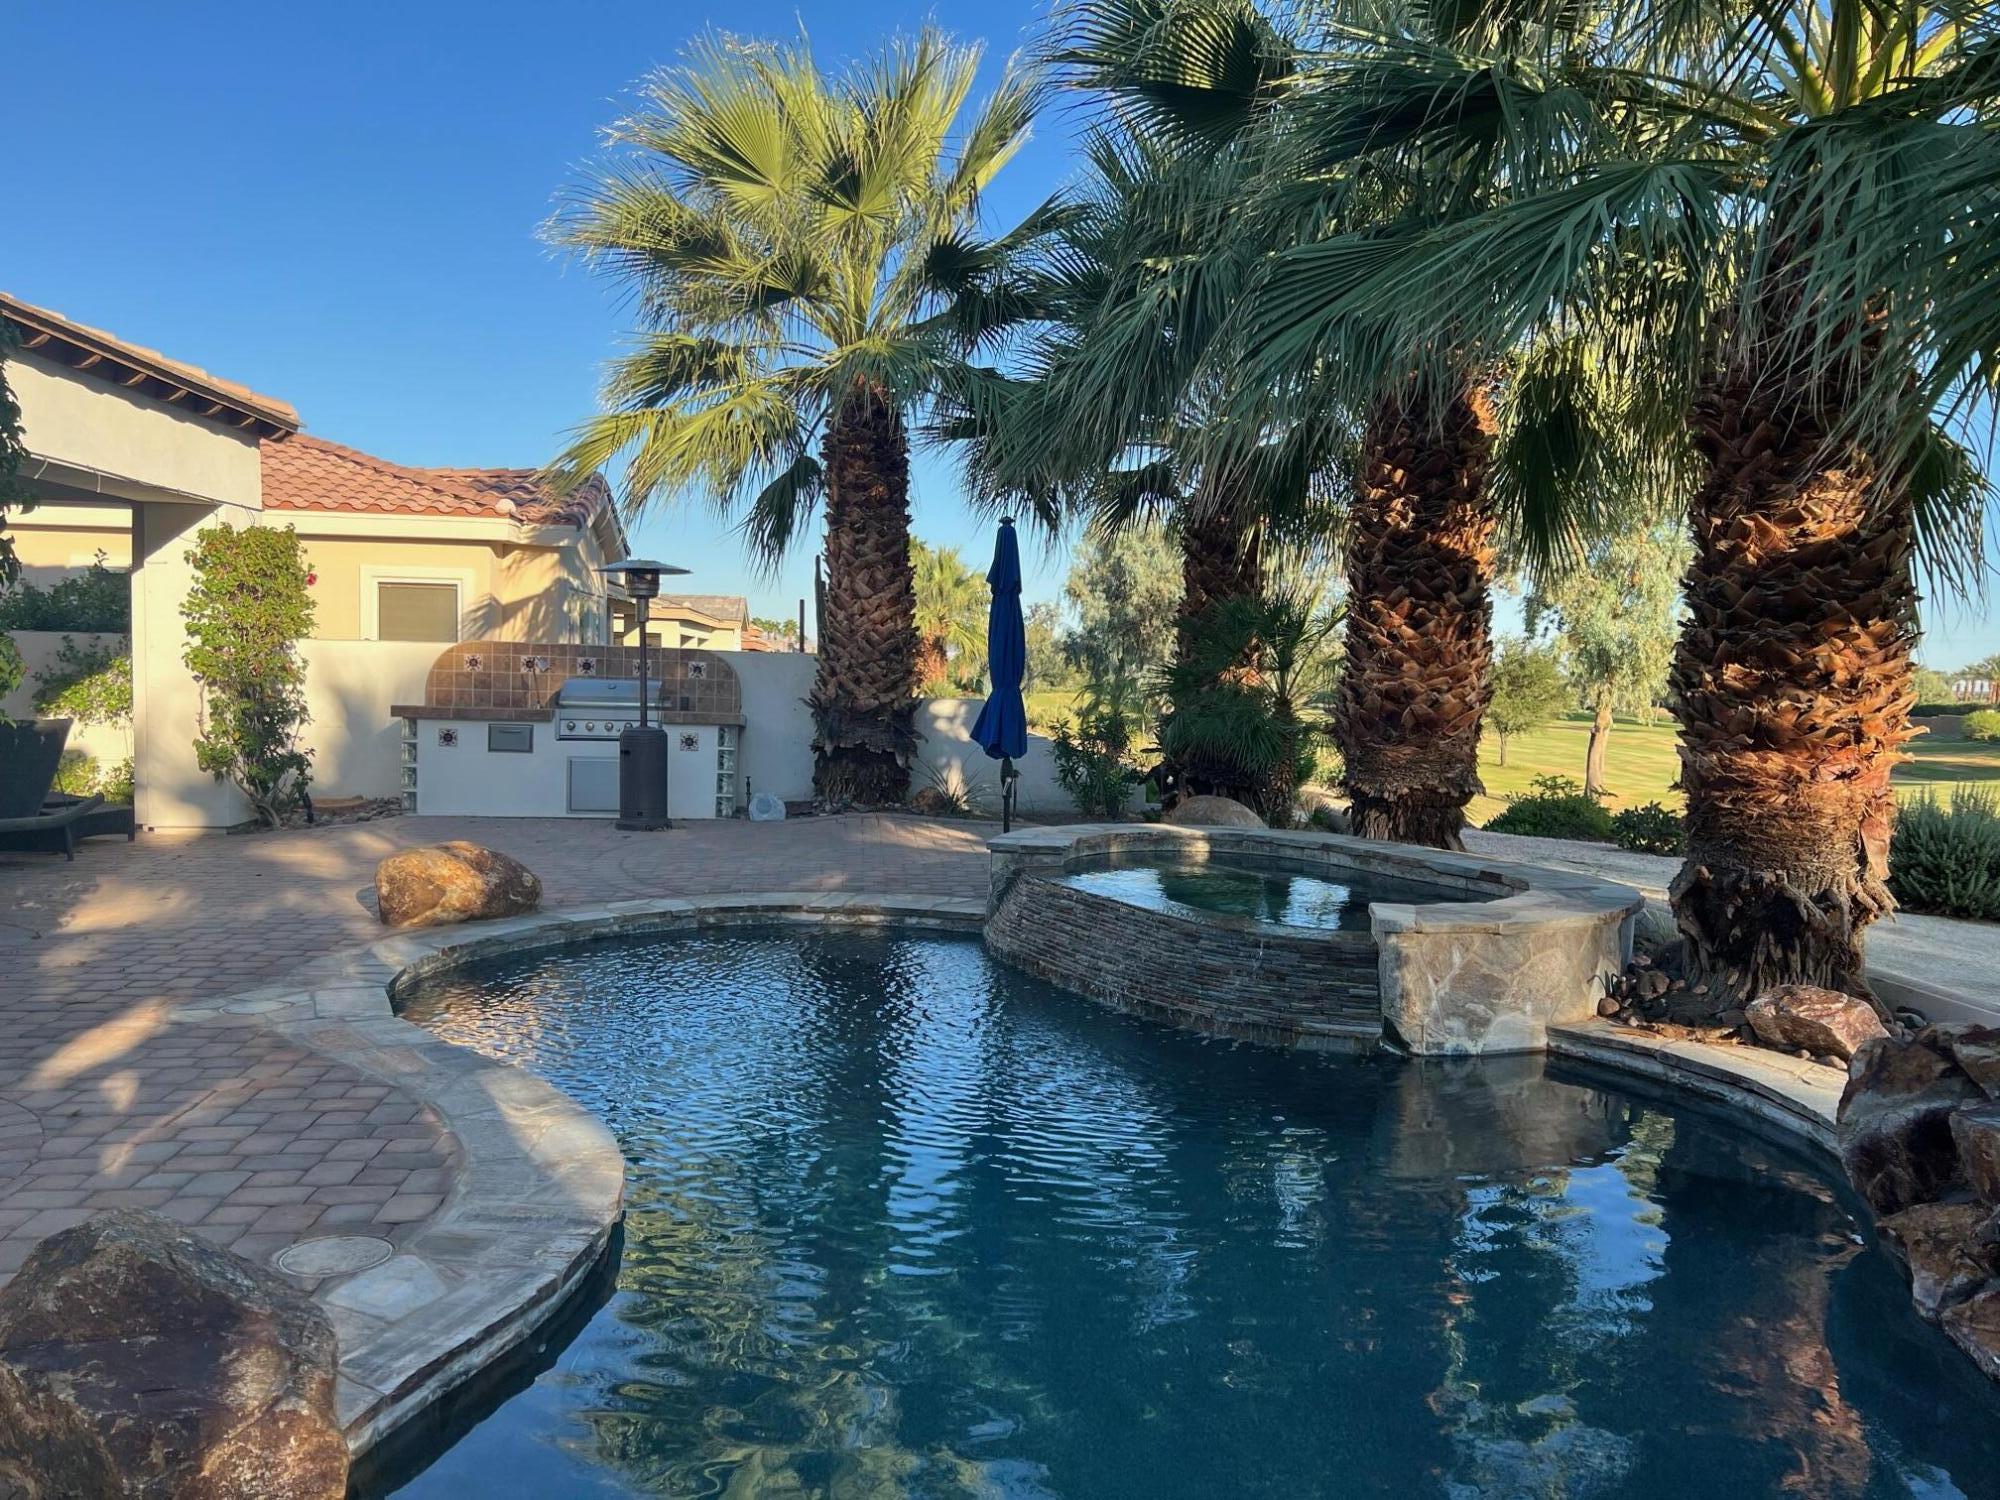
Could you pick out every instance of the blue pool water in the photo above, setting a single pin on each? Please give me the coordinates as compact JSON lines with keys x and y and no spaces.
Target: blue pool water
{"x":1265,"y":893}
{"x":904,"y":1222}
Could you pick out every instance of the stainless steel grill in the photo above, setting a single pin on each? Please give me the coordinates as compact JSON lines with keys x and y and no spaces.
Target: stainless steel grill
{"x":602,"y":708}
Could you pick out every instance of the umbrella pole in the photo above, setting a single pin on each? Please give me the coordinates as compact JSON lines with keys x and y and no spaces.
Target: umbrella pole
{"x":1006,"y":794}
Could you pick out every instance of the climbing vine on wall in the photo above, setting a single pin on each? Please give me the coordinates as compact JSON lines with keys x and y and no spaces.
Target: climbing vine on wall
{"x":246,"y":613}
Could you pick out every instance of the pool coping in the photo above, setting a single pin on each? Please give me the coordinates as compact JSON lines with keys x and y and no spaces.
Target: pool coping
{"x":1795,"y":1094}
{"x":540,"y":1183}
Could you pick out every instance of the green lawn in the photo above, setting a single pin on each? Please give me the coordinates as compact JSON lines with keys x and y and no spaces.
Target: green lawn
{"x":1641,"y":764}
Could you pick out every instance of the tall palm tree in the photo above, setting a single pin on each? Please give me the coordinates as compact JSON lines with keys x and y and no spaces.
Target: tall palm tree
{"x":788,"y":234}
{"x":950,"y":614}
{"x":1760,"y":211}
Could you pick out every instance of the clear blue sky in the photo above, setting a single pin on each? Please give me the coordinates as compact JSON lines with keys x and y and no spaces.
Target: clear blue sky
{"x":337,"y":204}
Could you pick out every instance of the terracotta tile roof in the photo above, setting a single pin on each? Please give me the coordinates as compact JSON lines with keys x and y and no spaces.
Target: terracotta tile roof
{"x":134,"y":365}
{"x":309,"y":473}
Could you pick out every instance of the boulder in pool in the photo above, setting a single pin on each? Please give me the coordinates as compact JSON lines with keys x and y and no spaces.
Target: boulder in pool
{"x":438,"y":884}
{"x":1212,"y":812}
{"x":1938,"y":1244}
{"x":138,"y":1360}
{"x":1790,"y":1016}
{"x":1896,"y":1140}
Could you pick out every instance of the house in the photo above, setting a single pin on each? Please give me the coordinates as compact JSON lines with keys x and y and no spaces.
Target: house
{"x":131,"y":453}
{"x":712,"y":622}
{"x":443,"y":555}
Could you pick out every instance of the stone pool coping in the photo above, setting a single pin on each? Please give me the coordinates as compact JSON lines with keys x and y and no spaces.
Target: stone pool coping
{"x":540,"y":1184}
{"x":1794,"y":1094}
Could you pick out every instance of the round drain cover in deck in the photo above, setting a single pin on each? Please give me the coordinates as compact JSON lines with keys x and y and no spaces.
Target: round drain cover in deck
{"x":334,"y":1255}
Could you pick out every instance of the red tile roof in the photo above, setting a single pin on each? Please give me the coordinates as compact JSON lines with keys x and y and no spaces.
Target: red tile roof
{"x":309,"y":473}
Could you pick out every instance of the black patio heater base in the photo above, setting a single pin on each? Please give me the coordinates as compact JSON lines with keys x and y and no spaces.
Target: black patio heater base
{"x":642,"y":780}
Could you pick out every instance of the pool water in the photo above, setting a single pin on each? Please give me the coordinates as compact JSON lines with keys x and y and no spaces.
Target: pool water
{"x":904,"y":1222}
{"x":1265,"y":893}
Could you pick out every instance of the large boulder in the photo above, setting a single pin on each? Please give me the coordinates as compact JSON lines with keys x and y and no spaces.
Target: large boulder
{"x":1976,"y":1133}
{"x":138,"y":1360}
{"x":1974,"y":1325}
{"x":1791,"y":1016}
{"x":1212,"y":812}
{"x":455,"y":882}
{"x":1895,"y":1120}
{"x":1938,"y":1244}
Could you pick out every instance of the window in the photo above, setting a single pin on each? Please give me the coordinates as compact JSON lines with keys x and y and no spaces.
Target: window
{"x":416,"y":611}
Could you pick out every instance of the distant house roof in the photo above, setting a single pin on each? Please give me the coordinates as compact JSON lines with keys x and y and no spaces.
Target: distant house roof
{"x":731,"y":607}
{"x":147,"y":371}
{"x":309,"y":473}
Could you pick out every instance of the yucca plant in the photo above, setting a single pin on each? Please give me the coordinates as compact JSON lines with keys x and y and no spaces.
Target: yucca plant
{"x":1773,"y":221}
{"x":788,"y":235}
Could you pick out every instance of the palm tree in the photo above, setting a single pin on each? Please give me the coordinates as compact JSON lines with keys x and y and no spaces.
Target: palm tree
{"x":788,"y":235}
{"x":1759,"y":212}
{"x":950,"y":615}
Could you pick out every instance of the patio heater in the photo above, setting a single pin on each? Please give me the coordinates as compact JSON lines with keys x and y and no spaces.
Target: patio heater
{"x":642,"y":749}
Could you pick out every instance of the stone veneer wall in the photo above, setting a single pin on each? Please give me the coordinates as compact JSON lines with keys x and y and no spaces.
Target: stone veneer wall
{"x":1298,"y":987}
{"x":1454,"y":976}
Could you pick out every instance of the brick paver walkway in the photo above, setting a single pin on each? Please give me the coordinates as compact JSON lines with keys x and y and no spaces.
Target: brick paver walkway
{"x":106,"y":1101}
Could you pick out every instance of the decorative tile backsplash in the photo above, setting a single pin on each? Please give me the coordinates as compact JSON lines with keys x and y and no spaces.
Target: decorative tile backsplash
{"x":696,"y":686}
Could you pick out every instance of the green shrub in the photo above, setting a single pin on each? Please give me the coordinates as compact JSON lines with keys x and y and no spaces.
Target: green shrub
{"x":1984,"y":725}
{"x":1092,"y":763}
{"x":95,"y":600}
{"x":90,"y":684}
{"x":1946,"y":860}
{"x":1557,"y":808}
{"x":1651,"y":829}
{"x":78,"y":774}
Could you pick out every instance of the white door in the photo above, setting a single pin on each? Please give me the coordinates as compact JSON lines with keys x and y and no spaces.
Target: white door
{"x":691,"y":771}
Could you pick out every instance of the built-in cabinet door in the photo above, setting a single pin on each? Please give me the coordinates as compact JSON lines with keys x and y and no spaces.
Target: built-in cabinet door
{"x":691,"y":771}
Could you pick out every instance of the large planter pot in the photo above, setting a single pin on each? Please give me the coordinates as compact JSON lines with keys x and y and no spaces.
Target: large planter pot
{"x":30,"y":751}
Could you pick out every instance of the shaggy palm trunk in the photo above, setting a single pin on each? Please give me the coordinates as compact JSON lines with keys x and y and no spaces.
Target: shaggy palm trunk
{"x":1600,"y":745}
{"x":1221,"y":560}
{"x":933,"y":661}
{"x":1793,"y":680}
{"x":863,"y":697}
{"x":1419,"y":640}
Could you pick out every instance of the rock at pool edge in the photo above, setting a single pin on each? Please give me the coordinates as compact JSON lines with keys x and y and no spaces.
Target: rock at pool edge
{"x":437,"y":884}
{"x":138,"y":1360}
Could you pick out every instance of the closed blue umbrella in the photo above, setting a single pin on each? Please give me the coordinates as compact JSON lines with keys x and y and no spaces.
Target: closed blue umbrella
{"x":1002,"y":727}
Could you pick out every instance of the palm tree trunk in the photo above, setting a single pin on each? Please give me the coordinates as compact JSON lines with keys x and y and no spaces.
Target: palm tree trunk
{"x":1600,"y":744}
{"x":863,"y":697}
{"x":1221,"y":559}
{"x":1794,"y":686}
{"x":1419,"y":615}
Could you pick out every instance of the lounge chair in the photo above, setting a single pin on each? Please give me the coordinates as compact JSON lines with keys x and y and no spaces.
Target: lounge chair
{"x":30,"y":818}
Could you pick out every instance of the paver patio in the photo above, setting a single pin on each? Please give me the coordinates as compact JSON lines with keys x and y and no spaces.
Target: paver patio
{"x":107,"y":1101}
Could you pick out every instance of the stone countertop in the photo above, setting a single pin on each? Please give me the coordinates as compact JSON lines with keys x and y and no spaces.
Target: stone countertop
{"x":547,"y":715}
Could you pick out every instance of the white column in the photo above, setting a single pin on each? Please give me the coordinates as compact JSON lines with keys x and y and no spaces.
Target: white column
{"x":170,"y":790}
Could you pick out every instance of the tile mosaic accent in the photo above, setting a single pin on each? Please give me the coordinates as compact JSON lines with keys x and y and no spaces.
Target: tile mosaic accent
{"x":447,"y":737}
{"x":698,"y":687}
{"x":690,"y":742}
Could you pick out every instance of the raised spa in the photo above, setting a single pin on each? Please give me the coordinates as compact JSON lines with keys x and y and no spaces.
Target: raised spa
{"x":906,"y":1222}
{"x":1280,"y":892}
{"x":1308,"y":940}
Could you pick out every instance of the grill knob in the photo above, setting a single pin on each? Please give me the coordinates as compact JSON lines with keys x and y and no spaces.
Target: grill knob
{"x":591,"y":726}
{"x":569,"y":724}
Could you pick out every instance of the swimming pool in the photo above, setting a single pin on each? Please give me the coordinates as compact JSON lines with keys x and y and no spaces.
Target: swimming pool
{"x":903,"y":1221}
